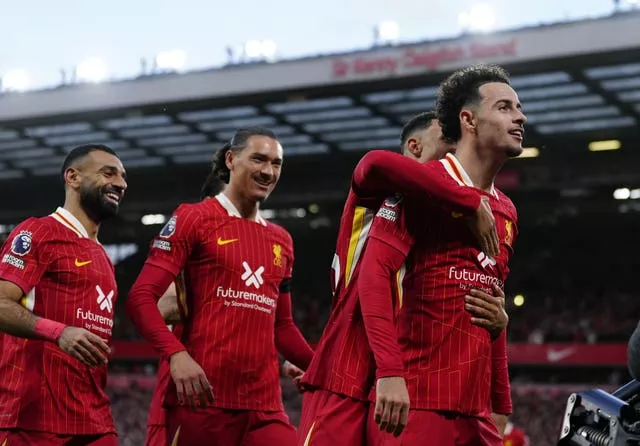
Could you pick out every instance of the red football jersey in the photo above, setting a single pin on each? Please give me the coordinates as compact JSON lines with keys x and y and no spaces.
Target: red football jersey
{"x":514,"y":436}
{"x":231,"y":271}
{"x":157,"y":412}
{"x":343,"y":362}
{"x":447,"y":360}
{"x":66,"y":277}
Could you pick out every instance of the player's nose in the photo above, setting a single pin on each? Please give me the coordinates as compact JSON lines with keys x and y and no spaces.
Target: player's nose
{"x":120,"y":183}
{"x":267,"y":170}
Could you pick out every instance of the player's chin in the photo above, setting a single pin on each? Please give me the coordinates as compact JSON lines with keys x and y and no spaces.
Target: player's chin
{"x":110,"y":209}
{"x":514,"y":151}
{"x":259,"y":194}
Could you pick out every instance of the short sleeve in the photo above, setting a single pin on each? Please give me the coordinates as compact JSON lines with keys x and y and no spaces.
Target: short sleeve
{"x":171,"y":248}
{"x":26,"y":254}
{"x":390,"y":224}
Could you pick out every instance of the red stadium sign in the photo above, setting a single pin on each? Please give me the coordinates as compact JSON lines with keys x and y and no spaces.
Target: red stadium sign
{"x":534,"y":354}
{"x":422,"y":58}
{"x":568,"y":354}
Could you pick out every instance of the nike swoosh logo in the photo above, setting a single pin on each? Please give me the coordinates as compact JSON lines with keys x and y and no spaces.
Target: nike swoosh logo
{"x":79,"y":263}
{"x":558,"y":355}
{"x":226,"y":242}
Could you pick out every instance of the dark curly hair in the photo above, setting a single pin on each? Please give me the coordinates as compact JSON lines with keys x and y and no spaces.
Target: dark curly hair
{"x":237,"y":143}
{"x":461,"y":89}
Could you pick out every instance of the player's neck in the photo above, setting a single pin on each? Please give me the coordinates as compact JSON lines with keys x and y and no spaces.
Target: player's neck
{"x":481,"y":166}
{"x":89,"y":225}
{"x":246,"y":208}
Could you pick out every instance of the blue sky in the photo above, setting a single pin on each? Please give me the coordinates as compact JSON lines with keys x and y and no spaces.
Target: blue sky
{"x":42,"y":36}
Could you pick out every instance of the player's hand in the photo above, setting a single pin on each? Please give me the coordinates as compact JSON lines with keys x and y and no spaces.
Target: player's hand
{"x":292,"y":372}
{"x":483,"y":226}
{"x":501,"y":421}
{"x":191,"y":382}
{"x":488,"y":310}
{"x":392,"y":405}
{"x":83,"y":345}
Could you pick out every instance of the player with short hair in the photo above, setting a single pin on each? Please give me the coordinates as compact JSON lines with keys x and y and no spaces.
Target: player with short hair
{"x":451,"y":366}
{"x":235,"y":269}
{"x":343,"y":371}
{"x":57,"y":296}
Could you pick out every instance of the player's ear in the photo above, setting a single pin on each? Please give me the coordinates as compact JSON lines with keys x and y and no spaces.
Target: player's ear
{"x":72,"y":177}
{"x":468,"y":120}
{"x":414,"y":147}
{"x":228,"y":159}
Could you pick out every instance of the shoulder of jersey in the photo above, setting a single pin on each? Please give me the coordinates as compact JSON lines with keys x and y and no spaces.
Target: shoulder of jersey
{"x":509,"y":207}
{"x":279,"y":230}
{"x":206,"y":206}
{"x":36,"y":223}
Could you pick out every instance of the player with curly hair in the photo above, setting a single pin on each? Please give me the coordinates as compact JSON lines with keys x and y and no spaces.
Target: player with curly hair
{"x":450,"y":364}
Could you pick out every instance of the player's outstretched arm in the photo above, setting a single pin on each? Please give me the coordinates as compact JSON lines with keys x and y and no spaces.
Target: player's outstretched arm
{"x":381,"y":173}
{"x":20,"y":322}
{"x":289,"y":341}
{"x":379,"y":265}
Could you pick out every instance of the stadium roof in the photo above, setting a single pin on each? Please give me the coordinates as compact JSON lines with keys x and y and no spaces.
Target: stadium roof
{"x":573,"y":90}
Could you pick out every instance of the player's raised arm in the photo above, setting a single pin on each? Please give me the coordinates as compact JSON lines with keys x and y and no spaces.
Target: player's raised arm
{"x":382,"y":173}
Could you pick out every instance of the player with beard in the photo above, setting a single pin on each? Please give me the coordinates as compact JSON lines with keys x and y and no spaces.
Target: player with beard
{"x":170,"y":310}
{"x":449,"y":363}
{"x":343,"y":370}
{"x":235,"y":269}
{"x":57,"y":295}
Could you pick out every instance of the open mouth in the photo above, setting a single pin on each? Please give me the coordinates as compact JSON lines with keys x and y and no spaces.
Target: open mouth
{"x":113,"y":197}
{"x":262,"y":184}
{"x":518,"y":134}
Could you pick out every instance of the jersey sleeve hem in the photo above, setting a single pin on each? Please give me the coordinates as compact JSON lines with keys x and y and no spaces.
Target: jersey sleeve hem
{"x":20,"y":282}
{"x":165,"y":265}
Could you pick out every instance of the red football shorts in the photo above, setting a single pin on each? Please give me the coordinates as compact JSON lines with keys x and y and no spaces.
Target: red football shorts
{"x":441,"y":428}
{"x":156,"y":435}
{"x":15,"y":437}
{"x":329,"y":419}
{"x":224,"y":427}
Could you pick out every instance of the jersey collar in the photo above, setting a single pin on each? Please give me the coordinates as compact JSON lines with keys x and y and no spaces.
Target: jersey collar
{"x":66,"y":218}
{"x":457,"y":172}
{"x":232,"y":210}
